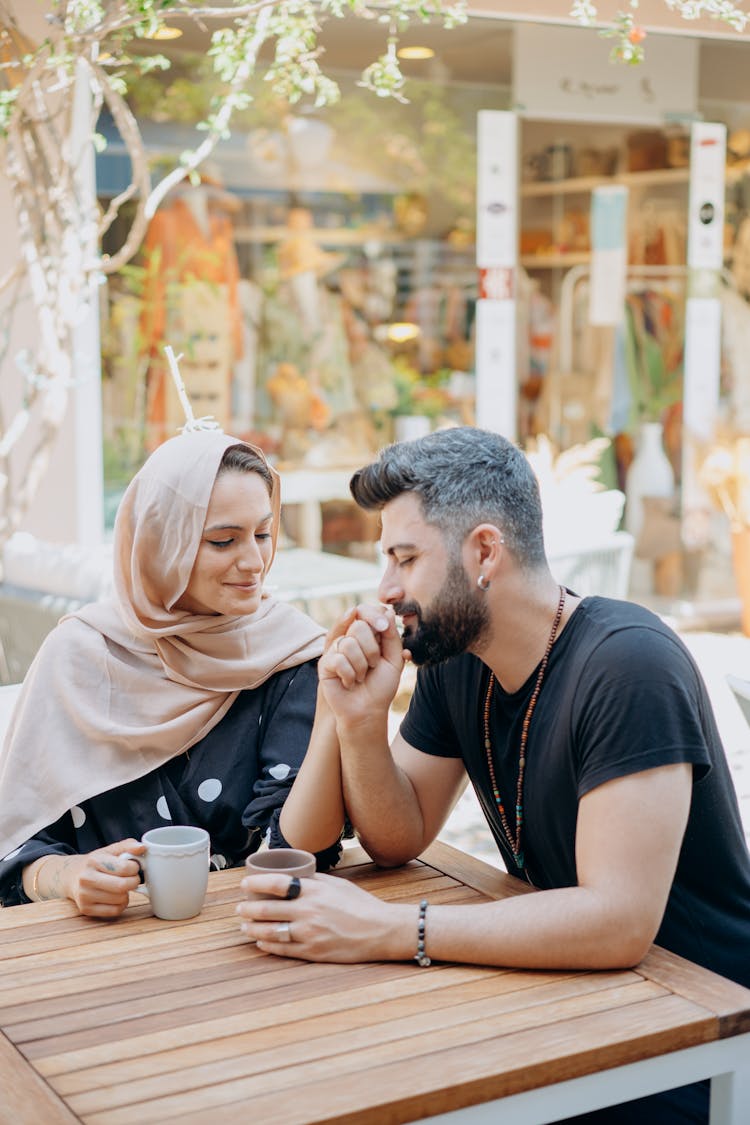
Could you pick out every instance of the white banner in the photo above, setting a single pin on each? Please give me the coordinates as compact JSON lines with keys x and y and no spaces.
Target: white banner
{"x":495,"y":348}
{"x":609,"y":255}
{"x":706,"y":207}
{"x":497,"y":189}
{"x":564,"y":73}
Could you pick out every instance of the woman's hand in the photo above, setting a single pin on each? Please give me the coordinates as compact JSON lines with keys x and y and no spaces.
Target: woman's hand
{"x":98,"y":882}
{"x":361,"y":665}
{"x":331,"y":920}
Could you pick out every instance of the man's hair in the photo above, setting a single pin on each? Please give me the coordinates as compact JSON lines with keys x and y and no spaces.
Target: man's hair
{"x":463,"y":477}
{"x":240,"y":459}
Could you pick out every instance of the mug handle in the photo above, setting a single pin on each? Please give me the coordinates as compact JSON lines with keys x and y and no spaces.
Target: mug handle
{"x":142,"y":889}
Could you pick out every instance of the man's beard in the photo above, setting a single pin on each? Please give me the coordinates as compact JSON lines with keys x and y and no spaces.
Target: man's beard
{"x":457,"y":620}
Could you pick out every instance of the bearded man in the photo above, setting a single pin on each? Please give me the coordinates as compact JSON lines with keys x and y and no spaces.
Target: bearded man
{"x":582,"y":723}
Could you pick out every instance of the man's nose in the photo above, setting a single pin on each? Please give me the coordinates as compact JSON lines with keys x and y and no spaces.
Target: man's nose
{"x":391,"y":588}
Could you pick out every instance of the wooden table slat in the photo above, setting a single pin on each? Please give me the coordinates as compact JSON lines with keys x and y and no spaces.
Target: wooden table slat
{"x":226,"y":1026}
{"x":723,"y":997}
{"x":458,"y":1003}
{"x":27,"y":1100}
{"x":481,"y":1041}
{"x":413,"y":1036}
{"x":144,"y":1020}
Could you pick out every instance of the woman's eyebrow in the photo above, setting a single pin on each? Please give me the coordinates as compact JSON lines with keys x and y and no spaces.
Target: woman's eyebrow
{"x":235,"y":526}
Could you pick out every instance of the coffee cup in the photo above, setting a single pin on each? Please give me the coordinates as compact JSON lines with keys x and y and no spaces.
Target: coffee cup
{"x":175,"y":869}
{"x":280,"y":861}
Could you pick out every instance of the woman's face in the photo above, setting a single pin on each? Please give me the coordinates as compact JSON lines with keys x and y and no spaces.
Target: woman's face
{"x":235,"y":549}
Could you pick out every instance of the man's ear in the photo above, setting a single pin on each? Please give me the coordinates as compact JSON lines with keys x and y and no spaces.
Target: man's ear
{"x":485,"y":547}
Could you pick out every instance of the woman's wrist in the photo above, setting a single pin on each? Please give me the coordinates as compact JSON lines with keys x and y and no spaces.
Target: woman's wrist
{"x":49,"y":877}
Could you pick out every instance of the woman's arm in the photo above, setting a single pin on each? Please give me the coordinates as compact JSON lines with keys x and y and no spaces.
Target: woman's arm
{"x":284,"y":738}
{"x":313,"y":815}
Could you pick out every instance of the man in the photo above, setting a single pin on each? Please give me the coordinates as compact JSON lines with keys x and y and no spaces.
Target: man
{"x":583,"y":725}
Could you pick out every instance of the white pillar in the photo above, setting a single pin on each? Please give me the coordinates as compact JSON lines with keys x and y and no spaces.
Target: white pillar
{"x":497,"y":259}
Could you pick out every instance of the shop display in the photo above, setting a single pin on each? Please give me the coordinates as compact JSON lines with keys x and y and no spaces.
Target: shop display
{"x":191,"y":300}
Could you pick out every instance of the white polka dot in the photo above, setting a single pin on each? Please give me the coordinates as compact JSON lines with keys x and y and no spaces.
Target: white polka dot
{"x":12,"y":855}
{"x":79,"y":816}
{"x":163,"y":809}
{"x":209,"y":789}
{"x":280,"y":772}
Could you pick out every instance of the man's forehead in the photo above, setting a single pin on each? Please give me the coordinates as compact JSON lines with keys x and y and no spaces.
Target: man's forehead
{"x":403,"y":522}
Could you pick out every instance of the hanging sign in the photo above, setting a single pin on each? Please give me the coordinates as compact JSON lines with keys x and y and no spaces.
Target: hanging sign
{"x":564,"y":73}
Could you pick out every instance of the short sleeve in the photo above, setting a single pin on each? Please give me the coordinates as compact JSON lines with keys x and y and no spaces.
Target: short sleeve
{"x":640,"y":705}
{"x":428,"y":725}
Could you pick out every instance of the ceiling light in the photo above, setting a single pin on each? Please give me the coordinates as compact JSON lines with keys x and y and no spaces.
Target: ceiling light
{"x":401,"y":332}
{"x":415,"y":53}
{"x":165,"y":32}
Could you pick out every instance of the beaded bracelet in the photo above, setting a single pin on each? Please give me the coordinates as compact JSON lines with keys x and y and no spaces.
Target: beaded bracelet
{"x":420,"y":956}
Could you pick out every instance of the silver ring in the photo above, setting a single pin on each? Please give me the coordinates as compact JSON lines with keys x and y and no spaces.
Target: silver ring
{"x":283,"y":932}
{"x":338,"y":642}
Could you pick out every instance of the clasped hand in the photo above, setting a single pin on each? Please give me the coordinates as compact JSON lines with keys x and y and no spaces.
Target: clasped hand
{"x":362,"y":662}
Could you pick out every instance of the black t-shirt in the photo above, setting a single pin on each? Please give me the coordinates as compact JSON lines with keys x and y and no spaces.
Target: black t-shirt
{"x":621,"y":694}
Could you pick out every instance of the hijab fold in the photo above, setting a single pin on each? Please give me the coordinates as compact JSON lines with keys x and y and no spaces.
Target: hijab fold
{"x":122,"y":686}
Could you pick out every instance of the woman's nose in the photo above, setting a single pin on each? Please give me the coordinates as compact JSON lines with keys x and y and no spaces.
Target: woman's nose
{"x":250,"y":558}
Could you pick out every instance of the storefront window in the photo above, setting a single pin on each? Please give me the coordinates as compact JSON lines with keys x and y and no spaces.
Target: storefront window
{"x":319,"y":280}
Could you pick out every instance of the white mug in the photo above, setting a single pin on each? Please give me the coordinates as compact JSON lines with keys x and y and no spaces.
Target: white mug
{"x":175,"y":867}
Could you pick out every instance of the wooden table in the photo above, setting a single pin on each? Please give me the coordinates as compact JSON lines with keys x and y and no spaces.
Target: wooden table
{"x":141,"y":1020}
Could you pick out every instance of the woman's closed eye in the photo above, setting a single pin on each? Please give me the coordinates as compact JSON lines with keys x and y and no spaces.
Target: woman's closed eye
{"x":220,"y":543}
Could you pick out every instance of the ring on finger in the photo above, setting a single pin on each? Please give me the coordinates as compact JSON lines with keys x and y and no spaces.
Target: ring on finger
{"x":283,"y":931}
{"x":338,"y":642}
{"x":294,"y":890}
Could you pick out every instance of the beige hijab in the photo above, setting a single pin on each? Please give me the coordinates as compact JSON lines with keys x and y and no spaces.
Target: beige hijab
{"x":122,"y":686}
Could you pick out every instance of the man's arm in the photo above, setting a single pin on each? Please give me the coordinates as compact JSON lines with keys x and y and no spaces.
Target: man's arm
{"x":396,"y":797}
{"x":628,"y":840}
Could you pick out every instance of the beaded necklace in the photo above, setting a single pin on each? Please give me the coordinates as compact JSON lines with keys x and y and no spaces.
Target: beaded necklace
{"x":515,"y":841}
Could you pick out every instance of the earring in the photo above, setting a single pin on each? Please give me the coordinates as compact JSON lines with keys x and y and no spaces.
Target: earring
{"x":483,"y":583}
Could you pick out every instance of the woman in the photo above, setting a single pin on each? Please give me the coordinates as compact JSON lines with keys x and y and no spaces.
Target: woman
{"x":187,"y":698}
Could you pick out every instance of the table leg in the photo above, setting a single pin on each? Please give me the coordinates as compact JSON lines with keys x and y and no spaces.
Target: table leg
{"x":730,"y":1097}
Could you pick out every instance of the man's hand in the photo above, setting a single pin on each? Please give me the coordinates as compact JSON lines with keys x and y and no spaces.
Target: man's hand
{"x":99,"y":882}
{"x":331,"y":920}
{"x":362,"y":663}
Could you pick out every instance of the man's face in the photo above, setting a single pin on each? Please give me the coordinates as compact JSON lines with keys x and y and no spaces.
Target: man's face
{"x":425,"y":581}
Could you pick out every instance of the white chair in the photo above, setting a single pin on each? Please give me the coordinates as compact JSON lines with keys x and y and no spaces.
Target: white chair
{"x":601,"y":568}
{"x":741,"y":690}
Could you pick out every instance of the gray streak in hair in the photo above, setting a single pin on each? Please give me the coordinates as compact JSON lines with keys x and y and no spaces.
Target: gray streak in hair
{"x":463,"y":477}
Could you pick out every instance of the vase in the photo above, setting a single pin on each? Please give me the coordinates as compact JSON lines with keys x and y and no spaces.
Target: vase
{"x":650,"y":474}
{"x":741,"y":563}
